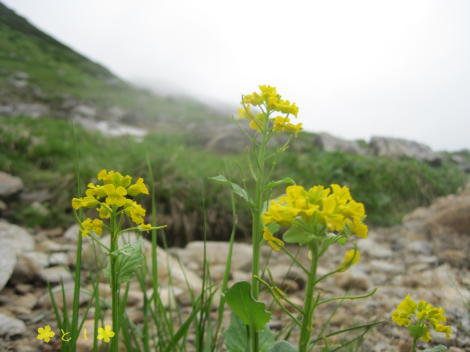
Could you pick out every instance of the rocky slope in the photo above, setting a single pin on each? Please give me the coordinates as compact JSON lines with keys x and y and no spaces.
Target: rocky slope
{"x":426,"y":256}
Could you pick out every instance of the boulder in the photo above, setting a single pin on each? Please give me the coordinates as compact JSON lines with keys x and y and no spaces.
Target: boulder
{"x":397,"y":148}
{"x":10,"y":327}
{"x":9,"y":184}
{"x":216,"y":253}
{"x":330,"y":143}
{"x":450,"y":213}
{"x":7,"y":264}
{"x":18,"y":238}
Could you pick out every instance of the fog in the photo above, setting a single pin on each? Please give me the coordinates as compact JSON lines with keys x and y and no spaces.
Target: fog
{"x":355,"y":68}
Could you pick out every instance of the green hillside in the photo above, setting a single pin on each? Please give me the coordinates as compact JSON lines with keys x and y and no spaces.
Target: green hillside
{"x":45,"y":152}
{"x":57,"y":72}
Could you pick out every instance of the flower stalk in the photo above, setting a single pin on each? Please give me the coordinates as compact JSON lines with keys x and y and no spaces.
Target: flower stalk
{"x":309,"y":300}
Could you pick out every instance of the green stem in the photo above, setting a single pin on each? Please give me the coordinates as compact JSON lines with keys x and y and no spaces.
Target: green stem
{"x":309,"y":306}
{"x":76,"y":295}
{"x":413,"y":347}
{"x":114,"y":285}
{"x":257,"y":230}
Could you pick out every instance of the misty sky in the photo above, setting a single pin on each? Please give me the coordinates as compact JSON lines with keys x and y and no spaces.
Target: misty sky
{"x":356,"y":68}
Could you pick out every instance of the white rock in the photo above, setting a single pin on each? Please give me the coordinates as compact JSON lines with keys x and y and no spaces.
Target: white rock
{"x":45,"y":300}
{"x":55,"y":274}
{"x":7,"y":264}
{"x":9,"y":184}
{"x":217,"y":253}
{"x":18,"y":238}
{"x":11,"y":327}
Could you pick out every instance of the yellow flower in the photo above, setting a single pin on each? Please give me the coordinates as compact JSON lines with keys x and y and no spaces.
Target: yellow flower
{"x":45,"y":333}
{"x":95,"y":225}
{"x":269,"y":101}
{"x":104,"y":212}
{"x":115,"y":178}
{"x":420,"y":318}
{"x":257,"y":122}
{"x":331,"y":207}
{"x":134,"y":211}
{"x":281,"y":214}
{"x":105,"y":334}
{"x":137,"y":188}
{"x":351,"y":258}
{"x":274,"y":242}
{"x":115,"y":195}
{"x":95,"y":191}
{"x":144,"y":227}
{"x":85,"y":202}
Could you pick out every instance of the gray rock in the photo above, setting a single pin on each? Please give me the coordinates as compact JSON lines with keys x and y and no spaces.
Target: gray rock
{"x":55,"y":274}
{"x":7,"y":264}
{"x":9,"y":184}
{"x":45,"y":300}
{"x":18,"y":239}
{"x":330,"y":143}
{"x":59,"y":258}
{"x":373,"y":249}
{"x":10,"y":327}
{"x":397,"y":147}
{"x":217,"y":253}
{"x":292,"y":275}
{"x":28,"y":266}
{"x":83,"y":111}
{"x":33,"y":110}
{"x":420,"y":247}
{"x":387,"y":267}
{"x":72,"y":233}
{"x":353,"y":279}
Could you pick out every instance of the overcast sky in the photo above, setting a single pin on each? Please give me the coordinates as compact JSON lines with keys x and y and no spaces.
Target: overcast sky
{"x":356,"y":68}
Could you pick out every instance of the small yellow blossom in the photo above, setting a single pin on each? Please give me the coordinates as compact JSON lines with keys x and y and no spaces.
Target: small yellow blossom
{"x":104,"y":212}
{"x":135,"y":211}
{"x":85,"y":202}
{"x":420,"y":318}
{"x":137,"y":188}
{"x":45,"y":333}
{"x":115,"y":195}
{"x":115,"y":178}
{"x":274,"y":242}
{"x":95,"y":191}
{"x":105,"y":334}
{"x":351,"y":258}
{"x":89,"y":225}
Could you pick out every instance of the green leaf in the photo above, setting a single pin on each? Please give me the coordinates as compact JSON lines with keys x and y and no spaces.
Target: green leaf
{"x":129,"y":259}
{"x":284,"y":181}
{"x":273,"y":227}
{"x":298,"y":234}
{"x":283,"y":346}
{"x":438,"y":348}
{"x":251,"y":312}
{"x":236,"y":337}
{"x":237,"y":189}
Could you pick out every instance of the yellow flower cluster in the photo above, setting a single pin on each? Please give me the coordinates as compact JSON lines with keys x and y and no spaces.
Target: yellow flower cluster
{"x":269,"y":101}
{"x":420,"y":318}
{"x":112,"y":195}
{"x":331,"y":207}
